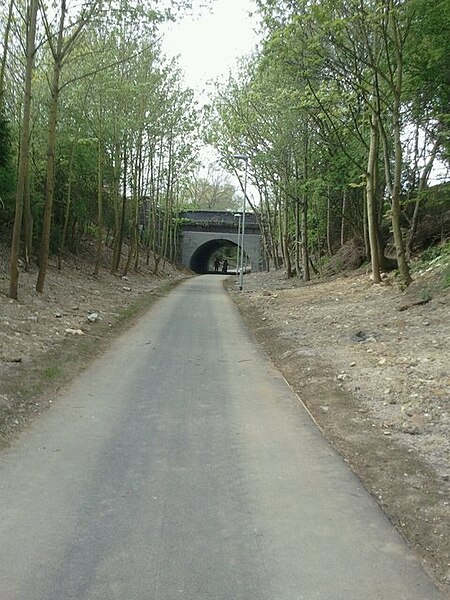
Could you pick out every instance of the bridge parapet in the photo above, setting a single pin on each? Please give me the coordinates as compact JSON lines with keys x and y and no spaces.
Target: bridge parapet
{"x":217,"y":216}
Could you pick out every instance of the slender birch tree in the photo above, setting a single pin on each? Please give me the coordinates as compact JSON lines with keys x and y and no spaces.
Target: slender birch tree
{"x":30,"y":52}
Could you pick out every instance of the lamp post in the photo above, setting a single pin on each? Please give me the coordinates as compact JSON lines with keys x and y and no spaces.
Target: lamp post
{"x":243,"y":157}
{"x":238,"y":216}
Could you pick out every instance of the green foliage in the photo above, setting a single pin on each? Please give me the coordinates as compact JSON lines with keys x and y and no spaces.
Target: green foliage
{"x":426,"y":294}
{"x":436,"y":258}
{"x":446,"y":277}
{"x":77,"y":168}
{"x":5,"y":142}
{"x":7,"y":172}
{"x":51,"y":372}
{"x":436,"y":198}
{"x":428,"y":59}
{"x":435,"y":253}
{"x":210,"y":193}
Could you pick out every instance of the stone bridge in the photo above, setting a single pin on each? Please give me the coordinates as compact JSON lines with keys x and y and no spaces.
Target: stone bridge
{"x":205,"y":232}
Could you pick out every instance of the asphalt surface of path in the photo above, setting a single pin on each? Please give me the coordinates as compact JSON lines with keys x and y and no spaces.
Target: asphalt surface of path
{"x":181,"y":466}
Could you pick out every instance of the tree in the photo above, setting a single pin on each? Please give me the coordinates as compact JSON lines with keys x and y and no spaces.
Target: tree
{"x":354,"y":55}
{"x":62,"y":42}
{"x":30,"y":51}
{"x":116,"y":116}
{"x":213,"y":192}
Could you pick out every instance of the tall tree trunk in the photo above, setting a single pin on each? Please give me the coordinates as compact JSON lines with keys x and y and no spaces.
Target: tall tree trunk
{"x":100,"y":243}
{"x":343,"y":216}
{"x":68,"y":204}
{"x":285,"y":231}
{"x":365,"y":225}
{"x":124,"y":206}
{"x":267,"y":225}
{"x":132,"y":220}
{"x":330,"y":252}
{"x":57,"y":51}
{"x":304,"y":224}
{"x":117,"y":209}
{"x":398,"y":238}
{"x":60,"y":49}
{"x":24,"y":149}
{"x":395,"y":185}
{"x":158,"y":227}
{"x":168,"y":202}
{"x":268,"y":232}
{"x":304,"y":234}
{"x":315,"y":207}
{"x":371,"y":186}
{"x":50,"y":178}
{"x":395,"y":198}
{"x":297,"y":255}
{"x":27,"y":225}
{"x":280,"y":228}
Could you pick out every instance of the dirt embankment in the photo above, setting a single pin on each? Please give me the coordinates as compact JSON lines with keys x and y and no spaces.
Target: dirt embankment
{"x":372,"y":365}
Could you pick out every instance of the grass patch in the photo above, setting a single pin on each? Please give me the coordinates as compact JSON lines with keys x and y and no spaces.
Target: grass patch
{"x":446,"y":277}
{"x":435,"y":259}
{"x":51,"y":372}
{"x":434,"y":253}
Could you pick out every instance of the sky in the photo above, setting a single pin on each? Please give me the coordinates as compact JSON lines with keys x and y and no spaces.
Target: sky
{"x":210,"y":44}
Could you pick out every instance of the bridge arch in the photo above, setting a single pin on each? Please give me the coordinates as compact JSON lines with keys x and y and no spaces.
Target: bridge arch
{"x":207,"y":232}
{"x":202,"y":258}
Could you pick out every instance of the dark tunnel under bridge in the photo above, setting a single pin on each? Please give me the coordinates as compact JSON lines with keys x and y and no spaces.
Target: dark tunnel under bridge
{"x":201,"y":260}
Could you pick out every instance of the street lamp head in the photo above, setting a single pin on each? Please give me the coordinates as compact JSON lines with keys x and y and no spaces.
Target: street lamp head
{"x":240,"y":156}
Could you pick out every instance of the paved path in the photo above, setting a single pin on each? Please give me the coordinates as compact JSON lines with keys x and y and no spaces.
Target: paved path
{"x":181,"y":466}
